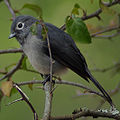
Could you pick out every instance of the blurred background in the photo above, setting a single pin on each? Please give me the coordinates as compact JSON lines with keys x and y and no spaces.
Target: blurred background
{"x":101,"y":53}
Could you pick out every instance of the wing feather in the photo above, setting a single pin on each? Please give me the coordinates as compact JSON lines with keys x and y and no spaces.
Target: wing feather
{"x":64,"y":50}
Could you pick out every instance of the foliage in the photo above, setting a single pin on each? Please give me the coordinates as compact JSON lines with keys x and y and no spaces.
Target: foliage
{"x":78,"y":30}
{"x":33,"y":7}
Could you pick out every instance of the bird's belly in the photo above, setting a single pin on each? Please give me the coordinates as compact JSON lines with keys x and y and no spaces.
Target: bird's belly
{"x":41,"y":62}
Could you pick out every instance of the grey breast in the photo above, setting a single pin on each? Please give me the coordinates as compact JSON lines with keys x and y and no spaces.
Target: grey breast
{"x":38,"y":59}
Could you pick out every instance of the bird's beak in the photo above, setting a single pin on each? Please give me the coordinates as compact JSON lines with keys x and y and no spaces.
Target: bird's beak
{"x":12,"y":35}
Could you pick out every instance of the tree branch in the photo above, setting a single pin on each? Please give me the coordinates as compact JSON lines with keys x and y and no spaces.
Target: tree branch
{"x":48,"y":101}
{"x":26,"y":99}
{"x":95,"y":14}
{"x":65,"y":83}
{"x":8,"y":4}
{"x":48,"y":84}
{"x":88,"y":113}
{"x":105,"y":30}
{"x":9,"y":74}
{"x":17,"y":50}
{"x":108,"y":36}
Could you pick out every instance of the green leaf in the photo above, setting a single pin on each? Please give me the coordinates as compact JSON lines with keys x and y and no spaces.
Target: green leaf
{"x":33,"y":7}
{"x":24,"y":65}
{"x":77,"y":6}
{"x":75,"y":10}
{"x":33,"y":28}
{"x":78,"y":30}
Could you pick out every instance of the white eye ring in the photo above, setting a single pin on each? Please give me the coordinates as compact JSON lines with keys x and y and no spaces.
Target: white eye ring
{"x":20,"y":26}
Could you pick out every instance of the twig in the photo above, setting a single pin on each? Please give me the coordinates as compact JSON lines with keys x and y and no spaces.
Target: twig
{"x":8,"y":4}
{"x":48,"y":101}
{"x":48,"y":85}
{"x":17,"y":100}
{"x":18,"y":50}
{"x":79,"y":85}
{"x":63,"y":82}
{"x":105,"y":30}
{"x":108,"y":36}
{"x":9,"y":74}
{"x":95,"y":14}
{"x":26,"y":99}
{"x":88,"y":113}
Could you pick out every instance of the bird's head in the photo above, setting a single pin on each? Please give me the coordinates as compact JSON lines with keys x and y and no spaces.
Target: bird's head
{"x":20,"y":27}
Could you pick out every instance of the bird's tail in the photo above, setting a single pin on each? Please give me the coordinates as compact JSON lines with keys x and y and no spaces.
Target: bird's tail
{"x":107,"y":97}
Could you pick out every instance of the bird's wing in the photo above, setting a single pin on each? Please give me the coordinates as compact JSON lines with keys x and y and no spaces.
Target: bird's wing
{"x":64,"y":50}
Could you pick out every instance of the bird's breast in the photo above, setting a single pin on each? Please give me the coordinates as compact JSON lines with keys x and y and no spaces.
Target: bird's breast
{"x":38,"y":59}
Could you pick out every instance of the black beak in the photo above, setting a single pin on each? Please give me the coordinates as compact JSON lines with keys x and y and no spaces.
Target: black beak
{"x":12,"y":35}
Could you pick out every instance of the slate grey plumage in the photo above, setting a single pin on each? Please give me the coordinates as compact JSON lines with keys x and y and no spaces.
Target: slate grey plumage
{"x":64,"y":51}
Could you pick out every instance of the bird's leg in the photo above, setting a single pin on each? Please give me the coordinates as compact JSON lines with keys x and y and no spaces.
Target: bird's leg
{"x":46,"y":79}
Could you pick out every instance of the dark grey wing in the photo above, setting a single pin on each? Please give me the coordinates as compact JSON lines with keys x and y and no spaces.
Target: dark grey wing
{"x":64,"y":50}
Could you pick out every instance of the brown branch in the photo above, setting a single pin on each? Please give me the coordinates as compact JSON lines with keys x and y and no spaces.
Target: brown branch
{"x":48,"y":84}
{"x":79,"y":85}
{"x":9,"y":74}
{"x":17,"y":100}
{"x":48,"y":101}
{"x":108,"y":36}
{"x":96,"y":13}
{"x":26,"y":99}
{"x":64,"y":83}
{"x":8,"y":4}
{"x":105,"y":30}
{"x":88,"y":113}
{"x":18,"y":50}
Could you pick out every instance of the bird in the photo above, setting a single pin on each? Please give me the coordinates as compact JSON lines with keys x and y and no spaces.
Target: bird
{"x":65,"y":53}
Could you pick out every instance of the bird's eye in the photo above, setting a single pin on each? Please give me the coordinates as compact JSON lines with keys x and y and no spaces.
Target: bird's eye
{"x":20,"y":26}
